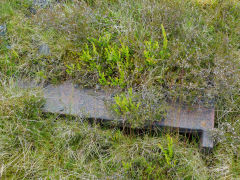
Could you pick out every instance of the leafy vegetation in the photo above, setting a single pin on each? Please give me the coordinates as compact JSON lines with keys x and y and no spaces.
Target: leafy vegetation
{"x":111,"y":62}
{"x":127,"y":108}
{"x":115,"y":64}
{"x":150,"y":52}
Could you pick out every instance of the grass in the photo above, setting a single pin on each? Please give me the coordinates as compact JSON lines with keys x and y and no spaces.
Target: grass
{"x":183,"y":50}
{"x":74,"y":149}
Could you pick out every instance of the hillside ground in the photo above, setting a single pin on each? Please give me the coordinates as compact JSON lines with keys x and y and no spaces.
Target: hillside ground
{"x":184,"y":50}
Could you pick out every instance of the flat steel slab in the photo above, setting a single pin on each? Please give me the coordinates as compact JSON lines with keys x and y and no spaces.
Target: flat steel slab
{"x":191,"y":119}
{"x":66,"y":99}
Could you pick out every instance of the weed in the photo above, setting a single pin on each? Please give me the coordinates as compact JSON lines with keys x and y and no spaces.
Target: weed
{"x":168,"y":153}
{"x":126,"y":108}
{"x":113,"y":64}
{"x":109,"y":61}
{"x":153,"y":54}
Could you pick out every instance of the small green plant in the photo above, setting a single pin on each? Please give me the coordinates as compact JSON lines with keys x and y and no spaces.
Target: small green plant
{"x":7,"y":65}
{"x":117,"y":136}
{"x":153,"y":52}
{"x":152,"y":48}
{"x":126,"y":165}
{"x":142,"y":168}
{"x":41,"y":75}
{"x":109,"y":61}
{"x":113,"y":63}
{"x":125,"y":104}
{"x":164,"y":52}
{"x":168,"y":152}
{"x":70,"y":69}
{"x":126,"y":107}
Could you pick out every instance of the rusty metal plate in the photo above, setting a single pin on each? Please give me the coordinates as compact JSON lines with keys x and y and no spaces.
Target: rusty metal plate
{"x":68,"y":99}
{"x":191,"y":119}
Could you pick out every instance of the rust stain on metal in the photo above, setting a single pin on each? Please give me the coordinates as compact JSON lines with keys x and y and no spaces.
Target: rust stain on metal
{"x":203,"y":124}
